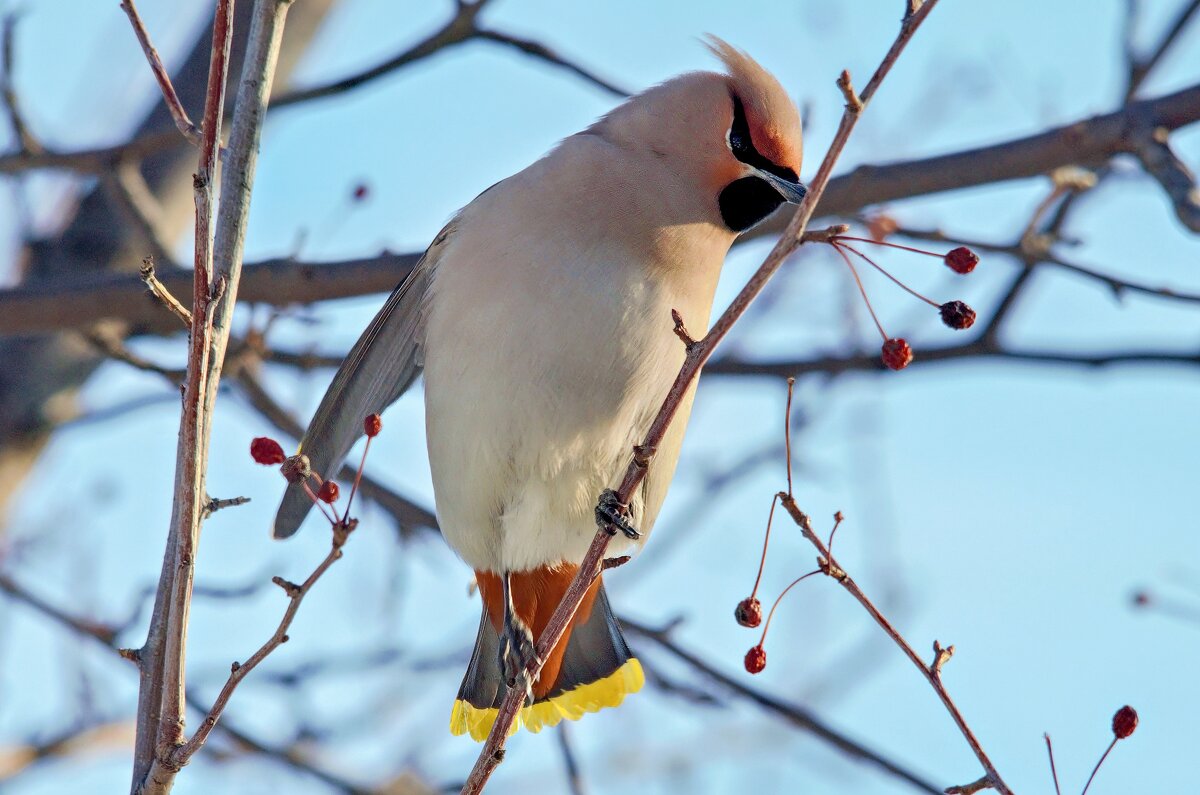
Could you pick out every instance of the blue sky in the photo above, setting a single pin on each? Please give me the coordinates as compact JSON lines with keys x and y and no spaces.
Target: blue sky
{"x":1008,"y":509}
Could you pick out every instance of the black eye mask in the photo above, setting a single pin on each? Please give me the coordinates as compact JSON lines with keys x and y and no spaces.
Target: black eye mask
{"x":743,"y":147}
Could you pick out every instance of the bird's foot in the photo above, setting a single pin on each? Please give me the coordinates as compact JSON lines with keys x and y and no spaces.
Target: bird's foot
{"x":517,"y":653}
{"x":613,"y":515}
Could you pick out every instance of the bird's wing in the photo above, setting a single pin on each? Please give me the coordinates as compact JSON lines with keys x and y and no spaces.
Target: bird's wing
{"x":377,"y":370}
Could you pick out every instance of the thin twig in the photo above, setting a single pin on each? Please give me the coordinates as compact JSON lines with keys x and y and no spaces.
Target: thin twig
{"x":111,"y":345}
{"x":140,"y":207}
{"x":570,"y":762}
{"x":178,"y":113}
{"x":214,"y":504}
{"x":492,"y":752}
{"x":160,"y":291}
{"x":1053,"y":769}
{"x":106,"y":636}
{"x":1153,"y":150}
{"x":1140,"y":68}
{"x":930,"y":672}
{"x":238,"y":671}
{"x":799,"y":716}
{"x":26,"y":142}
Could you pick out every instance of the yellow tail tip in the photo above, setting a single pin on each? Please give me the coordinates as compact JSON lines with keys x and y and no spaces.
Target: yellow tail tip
{"x":573,"y":704}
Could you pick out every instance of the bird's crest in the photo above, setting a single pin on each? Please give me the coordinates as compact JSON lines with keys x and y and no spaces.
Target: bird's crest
{"x":772,"y":117}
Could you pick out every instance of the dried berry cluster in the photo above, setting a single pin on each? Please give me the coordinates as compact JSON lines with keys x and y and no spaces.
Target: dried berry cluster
{"x":296,"y":469}
{"x":897,"y":353}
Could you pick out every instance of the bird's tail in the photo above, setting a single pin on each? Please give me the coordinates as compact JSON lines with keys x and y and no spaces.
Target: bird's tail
{"x":590,"y":669}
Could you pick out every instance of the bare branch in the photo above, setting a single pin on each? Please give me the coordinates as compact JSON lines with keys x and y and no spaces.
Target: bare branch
{"x":162,"y":690}
{"x":800,"y":717}
{"x":238,"y":671}
{"x":1140,"y":68}
{"x":84,"y":301}
{"x":178,"y":113}
{"x":932,"y":673}
{"x":163,"y":293}
{"x":1154,"y":151}
{"x":213,"y":505}
{"x":570,"y":762}
{"x":544,"y":53}
{"x":104,"y":635}
{"x":28,"y":145}
{"x":1084,"y":142}
{"x":460,"y":28}
{"x":136,"y":201}
{"x":1118,"y":286}
{"x":976,"y":349}
{"x":112,"y":346}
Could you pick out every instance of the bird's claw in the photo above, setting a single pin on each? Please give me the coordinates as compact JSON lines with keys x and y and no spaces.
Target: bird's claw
{"x":517,"y":653}
{"x":612,"y":515}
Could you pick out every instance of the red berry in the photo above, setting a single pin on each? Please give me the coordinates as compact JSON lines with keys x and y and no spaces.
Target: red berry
{"x":749,"y":612}
{"x":372,"y":425}
{"x":361,"y":191}
{"x":1124,"y":722}
{"x":962,"y":260}
{"x":328,"y":492}
{"x":266,"y":451}
{"x":896,"y":354}
{"x":957,"y":315}
{"x":756,"y":659}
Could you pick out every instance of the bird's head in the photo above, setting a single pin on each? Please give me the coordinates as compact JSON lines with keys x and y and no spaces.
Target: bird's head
{"x":758,"y":166}
{"x":732,"y":139}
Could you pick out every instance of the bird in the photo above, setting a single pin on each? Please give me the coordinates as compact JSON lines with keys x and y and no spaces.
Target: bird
{"x":541,"y":319}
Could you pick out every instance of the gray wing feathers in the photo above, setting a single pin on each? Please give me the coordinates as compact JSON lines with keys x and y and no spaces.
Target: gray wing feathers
{"x":377,"y":370}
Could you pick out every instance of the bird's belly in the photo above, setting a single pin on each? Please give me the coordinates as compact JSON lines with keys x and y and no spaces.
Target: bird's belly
{"x":531,"y":413}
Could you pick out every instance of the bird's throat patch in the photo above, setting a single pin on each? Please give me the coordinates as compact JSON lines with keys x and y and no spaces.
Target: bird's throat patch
{"x":746,"y":201}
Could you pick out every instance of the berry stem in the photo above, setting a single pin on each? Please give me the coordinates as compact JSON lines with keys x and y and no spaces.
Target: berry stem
{"x":1053,"y":771}
{"x":862,"y":290}
{"x":766,"y":539}
{"x":358,"y":476}
{"x":838,"y":238}
{"x":837,"y":522}
{"x":1096,"y":769}
{"x":896,"y":281}
{"x":787,"y":445}
{"x":779,"y":599}
{"x":316,"y":501}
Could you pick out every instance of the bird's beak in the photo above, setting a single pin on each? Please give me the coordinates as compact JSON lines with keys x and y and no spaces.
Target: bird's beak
{"x":793,"y":192}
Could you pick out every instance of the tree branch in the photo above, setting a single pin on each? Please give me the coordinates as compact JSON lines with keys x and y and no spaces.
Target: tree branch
{"x":239,"y":671}
{"x":932,"y":672}
{"x":27,"y":144}
{"x":106,"y":636}
{"x":1140,"y":68}
{"x":83,"y":301}
{"x":50,"y":307}
{"x":161,"y":693}
{"x":1153,"y":150}
{"x":800,"y":717}
{"x":178,"y":113}
{"x":1084,"y":142}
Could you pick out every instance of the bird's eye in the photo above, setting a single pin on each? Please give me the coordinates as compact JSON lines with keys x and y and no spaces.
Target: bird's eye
{"x":739,"y":132}
{"x":743,"y":147}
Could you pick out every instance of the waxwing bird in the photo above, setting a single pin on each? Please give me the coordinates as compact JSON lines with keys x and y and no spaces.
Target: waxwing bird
{"x":541,"y":316}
